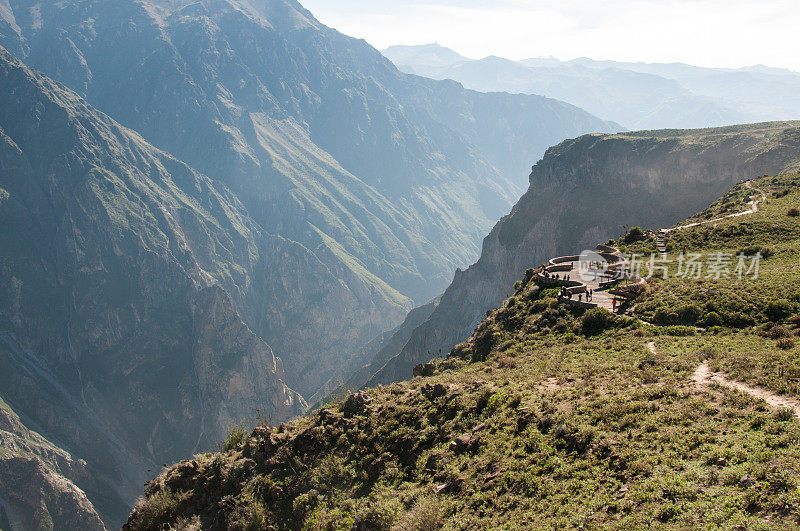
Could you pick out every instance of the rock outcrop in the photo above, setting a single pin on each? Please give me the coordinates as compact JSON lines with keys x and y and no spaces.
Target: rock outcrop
{"x":118,"y":336}
{"x":39,"y":481}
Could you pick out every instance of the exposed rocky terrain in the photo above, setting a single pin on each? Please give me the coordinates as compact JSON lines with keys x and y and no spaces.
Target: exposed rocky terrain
{"x":39,"y":481}
{"x":118,"y":338}
{"x":386,"y":181}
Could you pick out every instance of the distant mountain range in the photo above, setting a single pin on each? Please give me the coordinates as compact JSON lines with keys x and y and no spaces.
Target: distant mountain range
{"x":637,"y":95}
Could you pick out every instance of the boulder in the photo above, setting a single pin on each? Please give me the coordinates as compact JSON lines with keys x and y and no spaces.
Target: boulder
{"x":464,"y":443}
{"x":356,"y":403}
{"x":424,"y":369}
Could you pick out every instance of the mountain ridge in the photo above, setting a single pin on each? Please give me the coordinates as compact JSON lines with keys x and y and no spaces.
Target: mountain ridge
{"x":86,"y":331}
{"x":637,"y":95}
{"x":378,"y":175}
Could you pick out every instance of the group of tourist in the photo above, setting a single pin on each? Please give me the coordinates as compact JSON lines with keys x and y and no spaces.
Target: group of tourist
{"x":568,"y":294}
{"x":546,"y":274}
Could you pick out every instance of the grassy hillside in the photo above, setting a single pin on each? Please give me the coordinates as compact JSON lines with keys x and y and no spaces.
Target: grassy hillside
{"x":546,"y":417}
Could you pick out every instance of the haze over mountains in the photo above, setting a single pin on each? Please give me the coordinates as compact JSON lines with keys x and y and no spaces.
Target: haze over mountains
{"x":637,"y":95}
{"x":207,"y":208}
{"x":220,"y":209}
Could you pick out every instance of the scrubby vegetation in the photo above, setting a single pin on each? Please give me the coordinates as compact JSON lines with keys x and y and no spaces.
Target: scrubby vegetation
{"x":731,"y":302}
{"x":546,"y":417}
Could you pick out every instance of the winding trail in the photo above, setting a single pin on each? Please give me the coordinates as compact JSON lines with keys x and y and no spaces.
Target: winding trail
{"x":704,"y":377}
{"x":661,"y":237}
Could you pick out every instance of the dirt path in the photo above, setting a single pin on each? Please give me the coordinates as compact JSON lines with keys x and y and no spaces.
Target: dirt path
{"x":752,"y":209}
{"x":703,"y":377}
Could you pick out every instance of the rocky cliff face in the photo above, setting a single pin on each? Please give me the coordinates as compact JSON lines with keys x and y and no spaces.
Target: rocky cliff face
{"x":39,"y":481}
{"x":585,"y":191}
{"x":376,"y":185}
{"x":118,"y":335}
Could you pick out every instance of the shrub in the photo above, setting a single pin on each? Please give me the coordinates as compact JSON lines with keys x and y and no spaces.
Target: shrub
{"x":678,"y":331}
{"x":596,"y":320}
{"x":634,"y":234}
{"x":785,"y":343}
{"x":235,"y":438}
{"x":779,"y":332}
{"x":506,"y":362}
{"x":712,"y":319}
{"x":425,"y":516}
{"x":739,"y":320}
{"x":784,"y":414}
{"x":689,"y":313}
{"x":159,"y":509}
{"x":753,"y":250}
{"x":661,"y":315}
{"x":777,"y":310}
{"x":250,"y":516}
{"x":793,"y":212}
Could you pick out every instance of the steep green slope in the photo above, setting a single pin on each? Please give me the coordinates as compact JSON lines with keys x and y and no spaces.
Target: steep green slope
{"x":118,"y":336}
{"x":548,"y":416}
{"x":387,"y":181}
{"x":585,"y":191}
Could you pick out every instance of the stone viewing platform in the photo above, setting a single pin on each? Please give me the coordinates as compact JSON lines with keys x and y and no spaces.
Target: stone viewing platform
{"x":603,"y":272}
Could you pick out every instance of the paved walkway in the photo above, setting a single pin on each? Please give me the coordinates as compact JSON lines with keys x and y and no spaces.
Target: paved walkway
{"x":600,"y":297}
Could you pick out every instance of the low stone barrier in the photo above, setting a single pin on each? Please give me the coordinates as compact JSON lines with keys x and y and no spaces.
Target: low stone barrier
{"x":562,"y":259}
{"x":577,"y":303}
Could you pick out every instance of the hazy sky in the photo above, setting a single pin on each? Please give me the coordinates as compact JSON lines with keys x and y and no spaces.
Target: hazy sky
{"x":725,"y":33}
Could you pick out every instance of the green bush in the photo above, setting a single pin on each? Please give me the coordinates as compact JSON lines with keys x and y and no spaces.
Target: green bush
{"x":785,"y":343}
{"x":793,"y":212}
{"x":755,"y":249}
{"x":596,"y":320}
{"x":779,"y":332}
{"x":689,"y":313}
{"x":711,"y":319}
{"x":777,"y":310}
{"x":661,"y":315}
{"x":425,"y":516}
{"x":159,"y":509}
{"x":250,"y":516}
{"x":236,"y":437}
{"x":678,"y":331}
{"x":633,"y":235}
{"x":739,"y":320}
